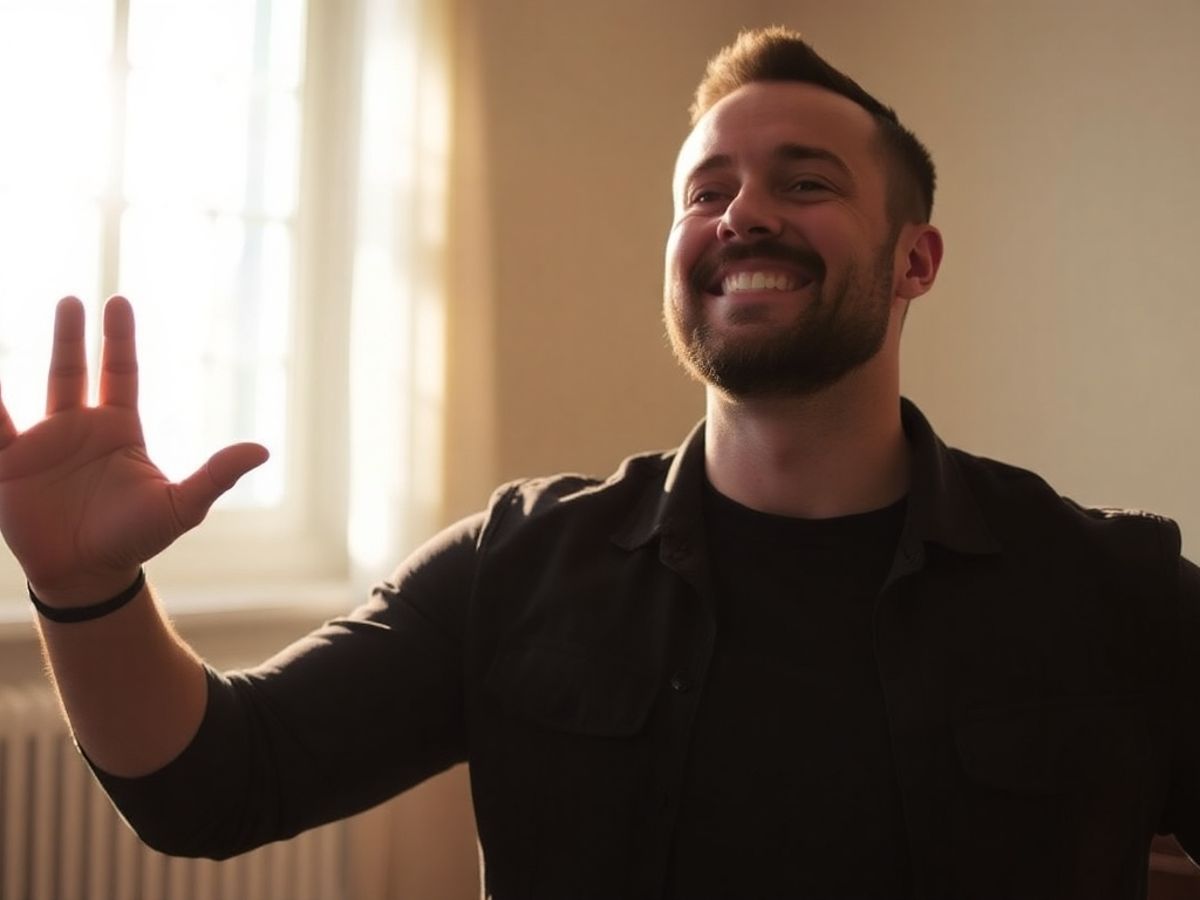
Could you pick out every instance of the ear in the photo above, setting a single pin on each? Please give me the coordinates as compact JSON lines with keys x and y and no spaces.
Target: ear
{"x":919,"y":253}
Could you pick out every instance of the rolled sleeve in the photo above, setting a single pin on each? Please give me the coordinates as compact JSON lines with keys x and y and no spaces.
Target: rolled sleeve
{"x":343,"y":719}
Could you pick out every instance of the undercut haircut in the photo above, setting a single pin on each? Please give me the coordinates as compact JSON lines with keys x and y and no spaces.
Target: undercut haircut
{"x":780,"y":54}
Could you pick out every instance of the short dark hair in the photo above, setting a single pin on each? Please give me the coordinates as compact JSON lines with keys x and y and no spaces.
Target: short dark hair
{"x":780,"y":54}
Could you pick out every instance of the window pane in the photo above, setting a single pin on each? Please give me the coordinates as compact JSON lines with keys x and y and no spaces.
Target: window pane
{"x":229,"y":38}
{"x":273,"y":287}
{"x":77,"y":28}
{"x":270,"y":429}
{"x":286,"y":60}
{"x":211,"y":144}
{"x":212,"y":37}
{"x":212,"y":295}
{"x":54,"y":73}
{"x":187,"y":141}
{"x":48,"y":249}
{"x":281,"y":174}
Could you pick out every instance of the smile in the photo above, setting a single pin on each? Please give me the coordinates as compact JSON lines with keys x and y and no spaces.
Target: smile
{"x":743,"y":282}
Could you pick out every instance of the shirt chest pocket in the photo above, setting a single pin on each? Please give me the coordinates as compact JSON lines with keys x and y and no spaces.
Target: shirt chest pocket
{"x":1058,"y":791}
{"x":567,"y":688}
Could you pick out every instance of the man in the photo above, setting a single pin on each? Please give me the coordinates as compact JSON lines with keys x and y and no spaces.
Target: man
{"x":813,"y":653}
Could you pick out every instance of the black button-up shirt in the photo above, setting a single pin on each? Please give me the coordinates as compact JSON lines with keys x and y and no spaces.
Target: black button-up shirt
{"x":1038,"y":663}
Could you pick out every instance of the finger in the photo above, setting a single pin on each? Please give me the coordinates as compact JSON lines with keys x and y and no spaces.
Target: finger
{"x":200,"y":490}
{"x":8,"y":431}
{"x":66,"y":387}
{"x":118,"y":356}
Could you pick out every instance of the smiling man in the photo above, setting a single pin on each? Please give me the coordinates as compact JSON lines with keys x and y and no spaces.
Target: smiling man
{"x":789,"y":270}
{"x":813,"y":653}
{"x":762,"y":201}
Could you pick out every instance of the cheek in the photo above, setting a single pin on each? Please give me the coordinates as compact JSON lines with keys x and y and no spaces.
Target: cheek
{"x":841,"y":245}
{"x":676,"y":236}
{"x":680,"y":256}
{"x":828,"y":230}
{"x":672,"y":264}
{"x":684,"y":248}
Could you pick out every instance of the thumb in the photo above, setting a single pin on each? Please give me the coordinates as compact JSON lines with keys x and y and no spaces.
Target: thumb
{"x":200,"y":490}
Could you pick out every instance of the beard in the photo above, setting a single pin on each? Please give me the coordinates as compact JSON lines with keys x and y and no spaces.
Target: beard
{"x":840,"y":327}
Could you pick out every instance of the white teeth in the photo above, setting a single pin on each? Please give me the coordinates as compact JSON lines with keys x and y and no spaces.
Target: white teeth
{"x":758,"y":281}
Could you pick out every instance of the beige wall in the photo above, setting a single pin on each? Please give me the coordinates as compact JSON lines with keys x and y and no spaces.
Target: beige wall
{"x":1061,"y":333}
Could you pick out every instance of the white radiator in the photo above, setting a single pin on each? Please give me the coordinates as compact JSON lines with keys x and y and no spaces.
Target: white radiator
{"x":60,"y":838}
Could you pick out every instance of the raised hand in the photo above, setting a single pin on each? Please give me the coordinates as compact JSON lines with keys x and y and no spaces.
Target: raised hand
{"x":81,"y":504}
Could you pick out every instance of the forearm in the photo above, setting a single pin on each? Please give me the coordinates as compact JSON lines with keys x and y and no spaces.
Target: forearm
{"x":133,"y":690}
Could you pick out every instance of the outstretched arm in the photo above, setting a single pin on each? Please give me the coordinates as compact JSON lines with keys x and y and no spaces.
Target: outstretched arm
{"x":82,"y":507}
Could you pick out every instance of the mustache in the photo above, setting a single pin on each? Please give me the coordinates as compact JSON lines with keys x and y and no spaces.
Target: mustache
{"x":705,"y":271}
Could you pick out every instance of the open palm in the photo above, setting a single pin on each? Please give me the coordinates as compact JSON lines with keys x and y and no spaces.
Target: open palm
{"x":81,"y":504}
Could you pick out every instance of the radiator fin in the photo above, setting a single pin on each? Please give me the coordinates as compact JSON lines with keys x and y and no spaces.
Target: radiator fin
{"x":61,"y":839}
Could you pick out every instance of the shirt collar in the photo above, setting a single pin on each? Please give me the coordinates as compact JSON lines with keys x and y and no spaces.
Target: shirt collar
{"x":941,"y":508}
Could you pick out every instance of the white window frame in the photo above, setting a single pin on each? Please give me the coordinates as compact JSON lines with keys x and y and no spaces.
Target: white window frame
{"x":297,"y":553}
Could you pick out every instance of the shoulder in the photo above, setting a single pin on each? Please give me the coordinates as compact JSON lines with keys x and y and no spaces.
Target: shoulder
{"x":557,"y":499}
{"x":1023,"y":508}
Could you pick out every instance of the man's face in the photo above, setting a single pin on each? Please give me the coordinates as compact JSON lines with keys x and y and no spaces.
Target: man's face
{"x":780,"y":269}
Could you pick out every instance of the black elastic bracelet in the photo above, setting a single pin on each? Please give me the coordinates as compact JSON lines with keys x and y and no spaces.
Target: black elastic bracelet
{"x":96,"y":610}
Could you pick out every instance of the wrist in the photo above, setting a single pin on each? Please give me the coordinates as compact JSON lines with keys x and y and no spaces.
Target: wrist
{"x":83,"y":591}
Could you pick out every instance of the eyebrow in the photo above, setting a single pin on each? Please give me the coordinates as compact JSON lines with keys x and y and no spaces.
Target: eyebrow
{"x":803,"y":152}
{"x":789,"y":152}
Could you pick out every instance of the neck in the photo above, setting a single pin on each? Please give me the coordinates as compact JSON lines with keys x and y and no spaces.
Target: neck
{"x":839,"y":452}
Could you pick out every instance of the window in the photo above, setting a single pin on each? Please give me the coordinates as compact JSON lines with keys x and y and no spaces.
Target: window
{"x":157,"y":148}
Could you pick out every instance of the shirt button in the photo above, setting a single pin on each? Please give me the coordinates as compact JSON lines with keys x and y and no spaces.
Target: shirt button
{"x":680,"y":683}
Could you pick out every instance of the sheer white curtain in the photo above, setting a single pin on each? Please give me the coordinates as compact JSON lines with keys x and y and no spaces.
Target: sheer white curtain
{"x":397,"y":313}
{"x":422,"y":843}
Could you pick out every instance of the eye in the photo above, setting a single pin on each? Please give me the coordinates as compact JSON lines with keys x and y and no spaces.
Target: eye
{"x":807,"y":186}
{"x":705,"y":196}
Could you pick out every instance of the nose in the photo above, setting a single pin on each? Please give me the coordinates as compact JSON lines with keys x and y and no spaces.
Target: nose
{"x":750,"y":216}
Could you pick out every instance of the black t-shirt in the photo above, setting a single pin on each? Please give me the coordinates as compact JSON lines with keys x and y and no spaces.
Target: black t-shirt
{"x":791,"y":789}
